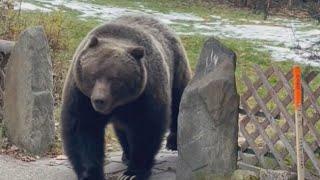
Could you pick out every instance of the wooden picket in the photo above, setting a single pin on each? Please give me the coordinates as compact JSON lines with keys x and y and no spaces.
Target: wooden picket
{"x":274,"y":111}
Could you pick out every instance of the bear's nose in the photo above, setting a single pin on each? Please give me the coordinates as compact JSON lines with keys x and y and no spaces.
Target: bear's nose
{"x":99,"y":102}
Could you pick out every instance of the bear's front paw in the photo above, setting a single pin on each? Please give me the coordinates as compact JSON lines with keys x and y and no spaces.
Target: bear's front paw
{"x":86,"y":177}
{"x":172,"y":142}
{"x":132,"y":175}
{"x":91,"y":174}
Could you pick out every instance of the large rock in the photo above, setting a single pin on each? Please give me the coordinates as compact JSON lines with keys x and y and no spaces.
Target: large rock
{"x":28,"y":100}
{"x":248,"y":158}
{"x":240,"y":174}
{"x":269,"y":174}
{"x":208,"y":118}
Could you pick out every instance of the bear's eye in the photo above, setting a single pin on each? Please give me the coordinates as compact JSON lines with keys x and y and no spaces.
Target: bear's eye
{"x":116,"y":82}
{"x":84,"y":61}
{"x":115,"y":79}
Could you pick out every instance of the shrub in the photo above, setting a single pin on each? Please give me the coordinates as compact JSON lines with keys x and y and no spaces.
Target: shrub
{"x":13,"y":22}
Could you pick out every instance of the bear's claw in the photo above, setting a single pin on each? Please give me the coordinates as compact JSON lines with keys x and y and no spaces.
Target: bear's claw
{"x":126,"y":177}
{"x":135,"y":175}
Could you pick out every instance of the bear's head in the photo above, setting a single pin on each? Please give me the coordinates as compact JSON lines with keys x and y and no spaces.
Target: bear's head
{"x":110,"y":72}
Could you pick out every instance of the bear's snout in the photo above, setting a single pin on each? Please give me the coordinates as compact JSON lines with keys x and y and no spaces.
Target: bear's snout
{"x":101,"y":105}
{"x":100,"y":98}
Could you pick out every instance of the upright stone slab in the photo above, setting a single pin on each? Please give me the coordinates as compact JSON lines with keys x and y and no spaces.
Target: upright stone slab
{"x":208,"y":117}
{"x":28,"y":100}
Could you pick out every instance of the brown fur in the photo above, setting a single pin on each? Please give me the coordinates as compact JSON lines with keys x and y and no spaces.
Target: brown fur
{"x":132,"y":71}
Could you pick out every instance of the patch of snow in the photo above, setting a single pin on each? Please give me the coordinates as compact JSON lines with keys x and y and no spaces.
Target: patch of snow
{"x":107,"y":13}
{"x":216,"y":17}
{"x":300,"y":56}
{"x":30,"y":7}
{"x":287,"y":39}
{"x":260,"y":32}
{"x":173,"y":16}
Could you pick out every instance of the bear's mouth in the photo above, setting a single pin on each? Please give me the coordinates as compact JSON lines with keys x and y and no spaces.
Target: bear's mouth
{"x":102,"y":108}
{"x":104,"y":111}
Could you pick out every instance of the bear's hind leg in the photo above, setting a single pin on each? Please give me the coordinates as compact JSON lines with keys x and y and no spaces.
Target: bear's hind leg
{"x":172,"y":138}
{"x":181,"y":80}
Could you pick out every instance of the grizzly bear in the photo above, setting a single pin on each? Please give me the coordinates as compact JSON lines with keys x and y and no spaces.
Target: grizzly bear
{"x":130,"y":72}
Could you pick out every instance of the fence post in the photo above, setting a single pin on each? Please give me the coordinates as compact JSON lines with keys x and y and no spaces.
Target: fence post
{"x":298,"y":118}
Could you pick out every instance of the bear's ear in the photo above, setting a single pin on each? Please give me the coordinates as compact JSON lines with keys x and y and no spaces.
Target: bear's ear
{"x":136,"y":52}
{"x":93,"y":42}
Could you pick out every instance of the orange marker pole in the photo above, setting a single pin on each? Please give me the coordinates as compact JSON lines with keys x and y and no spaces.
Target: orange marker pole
{"x":298,"y":116}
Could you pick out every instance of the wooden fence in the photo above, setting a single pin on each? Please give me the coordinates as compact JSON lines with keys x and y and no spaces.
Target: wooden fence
{"x":268,"y":124}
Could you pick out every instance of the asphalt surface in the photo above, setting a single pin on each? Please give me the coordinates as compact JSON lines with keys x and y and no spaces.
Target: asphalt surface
{"x":60,"y":169}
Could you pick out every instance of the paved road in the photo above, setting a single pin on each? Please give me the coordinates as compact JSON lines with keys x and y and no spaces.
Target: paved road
{"x":53,"y":169}
{"x":43,"y":169}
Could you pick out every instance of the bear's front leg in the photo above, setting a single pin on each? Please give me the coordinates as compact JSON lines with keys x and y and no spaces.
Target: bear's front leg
{"x":143,"y":148}
{"x":144,"y":137}
{"x":85,"y":149}
{"x":83,"y":137}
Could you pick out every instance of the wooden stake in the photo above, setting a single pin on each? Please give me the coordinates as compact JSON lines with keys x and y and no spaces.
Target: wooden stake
{"x":290,"y":4}
{"x":298,"y":118}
